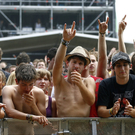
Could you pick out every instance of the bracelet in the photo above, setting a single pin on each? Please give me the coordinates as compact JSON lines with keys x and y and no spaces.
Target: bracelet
{"x":111,"y":111}
{"x":102,"y":34}
{"x":29,"y":118}
{"x":64,"y":42}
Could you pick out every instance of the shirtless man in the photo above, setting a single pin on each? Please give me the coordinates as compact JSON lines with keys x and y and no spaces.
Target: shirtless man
{"x":25,"y":101}
{"x":74,"y":94}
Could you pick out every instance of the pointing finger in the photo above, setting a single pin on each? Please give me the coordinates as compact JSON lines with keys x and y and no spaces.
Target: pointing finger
{"x":123,"y":18}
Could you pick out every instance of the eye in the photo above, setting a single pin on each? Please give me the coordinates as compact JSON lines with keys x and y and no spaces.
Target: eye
{"x":118,"y":66}
{"x":80,"y":63}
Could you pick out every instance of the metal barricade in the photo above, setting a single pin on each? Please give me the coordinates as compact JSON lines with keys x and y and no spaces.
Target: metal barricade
{"x":70,"y":126}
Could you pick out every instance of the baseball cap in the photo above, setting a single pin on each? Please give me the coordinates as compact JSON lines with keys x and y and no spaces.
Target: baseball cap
{"x":120,"y":56}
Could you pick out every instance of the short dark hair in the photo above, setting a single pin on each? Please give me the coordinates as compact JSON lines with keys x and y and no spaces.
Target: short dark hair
{"x":133,"y":58}
{"x":25,"y":72}
{"x":23,"y":57}
{"x":81,"y":58}
{"x":51,"y":53}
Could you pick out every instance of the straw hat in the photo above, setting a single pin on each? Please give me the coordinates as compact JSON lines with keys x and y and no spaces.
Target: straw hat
{"x":78,"y":51}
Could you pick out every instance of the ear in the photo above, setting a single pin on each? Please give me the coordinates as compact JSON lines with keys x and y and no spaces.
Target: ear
{"x":130,"y":66}
{"x":67,"y":63}
{"x":48,"y":60}
{"x":16,"y":81}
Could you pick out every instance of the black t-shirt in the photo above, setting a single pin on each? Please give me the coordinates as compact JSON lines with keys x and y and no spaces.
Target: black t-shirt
{"x":109,"y":92}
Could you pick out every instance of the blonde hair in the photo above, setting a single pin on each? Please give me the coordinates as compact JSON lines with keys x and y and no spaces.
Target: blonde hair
{"x":11,"y":79}
{"x":42,"y":72}
{"x":95,"y":53}
{"x":3,"y":77}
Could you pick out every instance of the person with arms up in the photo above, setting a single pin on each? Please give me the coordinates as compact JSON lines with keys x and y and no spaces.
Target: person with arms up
{"x":74,"y":95}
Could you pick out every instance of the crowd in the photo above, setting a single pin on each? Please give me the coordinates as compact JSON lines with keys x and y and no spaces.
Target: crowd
{"x":81,"y":83}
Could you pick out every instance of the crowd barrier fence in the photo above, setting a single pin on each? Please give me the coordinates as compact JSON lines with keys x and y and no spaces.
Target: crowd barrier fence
{"x":70,"y":126}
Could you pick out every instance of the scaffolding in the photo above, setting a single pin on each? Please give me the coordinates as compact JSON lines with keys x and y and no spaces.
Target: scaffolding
{"x":88,"y":11}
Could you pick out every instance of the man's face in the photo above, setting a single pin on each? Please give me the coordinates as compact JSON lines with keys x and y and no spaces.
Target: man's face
{"x":41,"y":65}
{"x":93,"y":64}
{"x":12,"y":69}
{"x":25,"y":87}
{"x":76,"y":64}
{"x":121,"y":69}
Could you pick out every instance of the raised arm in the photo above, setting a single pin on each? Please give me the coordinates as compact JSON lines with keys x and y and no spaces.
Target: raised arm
{"x":122,"y":26}
{"x":68,"y":34}
{"x":102,"y":55}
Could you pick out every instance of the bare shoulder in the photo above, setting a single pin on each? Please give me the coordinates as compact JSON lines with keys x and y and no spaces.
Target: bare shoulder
{"x":37,"y":90}
{"x":9,"y":89}
{"x":88,"y":80}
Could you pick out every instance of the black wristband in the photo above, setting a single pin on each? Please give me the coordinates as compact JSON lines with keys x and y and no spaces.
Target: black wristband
{"x":64,"y":42}
{"x":102,"y":34}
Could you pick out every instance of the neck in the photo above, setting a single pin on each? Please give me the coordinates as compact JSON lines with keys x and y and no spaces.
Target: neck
{"x":92,"y":73}
{"x":122,"y":81}
{"x":85,"y":73}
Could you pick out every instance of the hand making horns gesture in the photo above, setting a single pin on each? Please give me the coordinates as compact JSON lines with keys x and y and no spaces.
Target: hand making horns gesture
{"x":103,"y":25}
{"x":69,"y":34}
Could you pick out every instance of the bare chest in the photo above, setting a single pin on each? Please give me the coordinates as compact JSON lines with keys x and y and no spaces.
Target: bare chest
{"x":21,"y":105}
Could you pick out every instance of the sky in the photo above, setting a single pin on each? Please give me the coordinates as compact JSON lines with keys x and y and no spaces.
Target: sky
{"x":126,"y":7}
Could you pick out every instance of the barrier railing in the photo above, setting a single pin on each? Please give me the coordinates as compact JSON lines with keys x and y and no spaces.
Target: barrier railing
{"x":70,"y":126}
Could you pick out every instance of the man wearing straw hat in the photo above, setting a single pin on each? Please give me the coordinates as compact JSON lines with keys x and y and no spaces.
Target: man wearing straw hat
{"x":74,"y":94}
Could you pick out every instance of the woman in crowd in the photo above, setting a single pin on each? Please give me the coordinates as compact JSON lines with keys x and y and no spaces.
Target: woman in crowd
{"x":44,"y":82}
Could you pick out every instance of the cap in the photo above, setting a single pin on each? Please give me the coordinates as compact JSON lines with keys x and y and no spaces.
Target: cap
{"x":78,"y":51}
{"x":120,"y":56}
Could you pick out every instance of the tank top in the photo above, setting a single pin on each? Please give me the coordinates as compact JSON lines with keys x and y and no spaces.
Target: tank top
{"x":49,"y":108}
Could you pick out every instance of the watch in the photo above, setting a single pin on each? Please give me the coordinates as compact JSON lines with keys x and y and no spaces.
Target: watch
{"x":64,"y":42}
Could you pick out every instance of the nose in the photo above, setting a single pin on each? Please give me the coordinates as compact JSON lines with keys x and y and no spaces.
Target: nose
{"x":122,"y":67}
{"x":76,"y":65}
{"x":27,"y":88}
{"x":42,"y":80}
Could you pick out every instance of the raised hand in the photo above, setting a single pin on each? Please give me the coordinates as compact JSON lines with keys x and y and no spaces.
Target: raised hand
{"x":103,"y":25}
{"x":116,"y":106}
{"x":69,"y":34}
{"x":122,"y":25}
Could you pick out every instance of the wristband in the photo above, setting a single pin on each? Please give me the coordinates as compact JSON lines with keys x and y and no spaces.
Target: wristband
{"x":29,"y":118}
{"x":102,"y":34}
{"x":111,"y":111}
{"x":64,"y":42}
